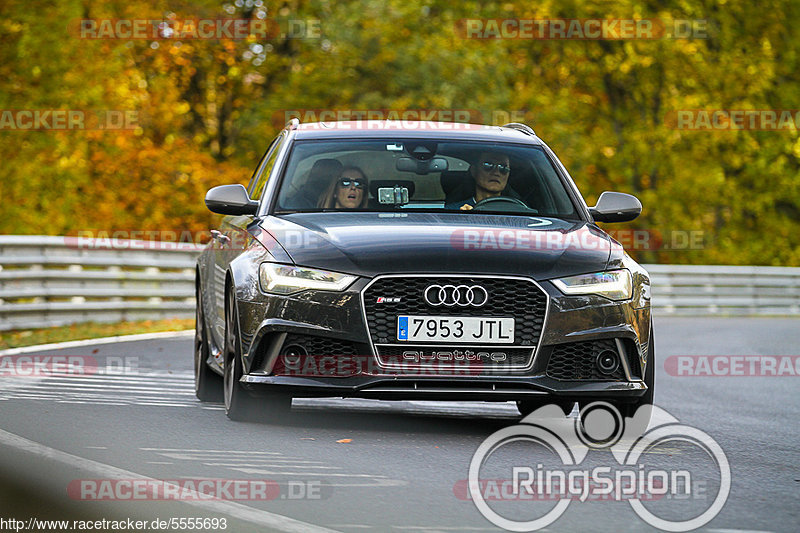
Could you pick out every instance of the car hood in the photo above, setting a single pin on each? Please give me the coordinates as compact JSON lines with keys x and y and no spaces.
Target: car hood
{"x":369,"y":244}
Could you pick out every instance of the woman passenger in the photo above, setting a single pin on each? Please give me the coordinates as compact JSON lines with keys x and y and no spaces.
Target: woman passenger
{"x":348,"y":191}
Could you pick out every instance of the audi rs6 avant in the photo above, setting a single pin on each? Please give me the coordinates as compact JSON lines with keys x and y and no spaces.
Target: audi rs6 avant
{"x":432,"y":261}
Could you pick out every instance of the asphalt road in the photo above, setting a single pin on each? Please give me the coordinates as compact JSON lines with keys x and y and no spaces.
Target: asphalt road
{"x":402,"y":465}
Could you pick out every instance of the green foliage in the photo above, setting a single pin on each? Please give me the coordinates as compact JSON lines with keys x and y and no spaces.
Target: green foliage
{"x":208,"y":108}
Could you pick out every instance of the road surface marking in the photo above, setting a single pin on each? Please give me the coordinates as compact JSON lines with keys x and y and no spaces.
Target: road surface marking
{"x":146,"y":388}
{"x":233,"y":509}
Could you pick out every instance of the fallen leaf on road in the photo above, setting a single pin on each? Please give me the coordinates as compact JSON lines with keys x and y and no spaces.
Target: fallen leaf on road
{"x":345,"y":441}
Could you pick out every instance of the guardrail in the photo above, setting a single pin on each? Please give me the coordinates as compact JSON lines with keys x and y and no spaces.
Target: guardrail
{"x":725,"y":290}
{"x":51,"y":281}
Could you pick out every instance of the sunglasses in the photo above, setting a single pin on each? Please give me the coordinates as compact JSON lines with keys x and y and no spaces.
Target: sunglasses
{"x":488,"y":167}
{"x":344,"y":184}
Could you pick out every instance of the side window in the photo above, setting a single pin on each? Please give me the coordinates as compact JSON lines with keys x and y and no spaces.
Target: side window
{"x":259,"y":180}
{"x":252,"y":183}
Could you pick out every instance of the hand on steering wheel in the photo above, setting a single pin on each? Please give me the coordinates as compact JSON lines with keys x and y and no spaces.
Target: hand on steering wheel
{"x":500,"y":199}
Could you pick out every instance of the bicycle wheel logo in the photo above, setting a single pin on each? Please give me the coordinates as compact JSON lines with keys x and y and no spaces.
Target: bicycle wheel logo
{"x":601,"y":427}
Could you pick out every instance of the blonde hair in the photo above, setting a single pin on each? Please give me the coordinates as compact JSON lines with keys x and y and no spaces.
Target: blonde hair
{"x":327,"y":200}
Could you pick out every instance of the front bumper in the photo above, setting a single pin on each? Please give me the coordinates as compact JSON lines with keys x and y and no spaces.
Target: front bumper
{"x":338,"y":318}
{"x":483,"y":388}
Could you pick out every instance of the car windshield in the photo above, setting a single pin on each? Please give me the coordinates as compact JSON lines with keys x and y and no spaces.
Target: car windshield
{"x":413,"y":174}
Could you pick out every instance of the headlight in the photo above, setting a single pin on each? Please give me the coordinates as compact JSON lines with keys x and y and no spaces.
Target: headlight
{"x":286,"y":279}
{"x":613,"y":284}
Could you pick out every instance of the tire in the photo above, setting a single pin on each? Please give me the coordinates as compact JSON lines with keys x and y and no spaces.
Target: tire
{"x":526,"y":407}
{"x":239,"y":404}
{"x":207,"y":383}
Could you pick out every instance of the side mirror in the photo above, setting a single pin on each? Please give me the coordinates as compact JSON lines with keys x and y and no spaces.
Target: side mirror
{"x":230,"y":200}
{"x":616,"y":207}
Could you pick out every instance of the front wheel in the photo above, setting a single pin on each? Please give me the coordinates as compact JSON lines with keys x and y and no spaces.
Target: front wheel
{"x":239,"y":404}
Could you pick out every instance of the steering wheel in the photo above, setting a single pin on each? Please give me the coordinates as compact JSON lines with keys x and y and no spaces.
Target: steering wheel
{"x":498,"y":201}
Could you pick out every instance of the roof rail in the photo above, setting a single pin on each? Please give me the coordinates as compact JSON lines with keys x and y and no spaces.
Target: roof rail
{"x":293,"y":124}
{"x":524,"y":128}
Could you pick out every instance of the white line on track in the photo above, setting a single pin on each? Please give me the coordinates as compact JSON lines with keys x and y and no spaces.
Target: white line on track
{"x":232,"y":509}
{"x":426,"y":529}
{"x":173,"y":389}
{"x":207,"y":451}
{"x":272,"y":465}
{"x":261,"y":471}
{"x":237,"y":461}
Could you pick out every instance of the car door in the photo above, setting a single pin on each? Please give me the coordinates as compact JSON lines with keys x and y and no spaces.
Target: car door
{"x":232,"y":237}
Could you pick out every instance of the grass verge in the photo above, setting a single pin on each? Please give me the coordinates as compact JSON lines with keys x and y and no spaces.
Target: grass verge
{"x":89,"y":330}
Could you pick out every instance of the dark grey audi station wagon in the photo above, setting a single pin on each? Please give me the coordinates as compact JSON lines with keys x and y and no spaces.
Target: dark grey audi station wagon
{"x":413,"y":260}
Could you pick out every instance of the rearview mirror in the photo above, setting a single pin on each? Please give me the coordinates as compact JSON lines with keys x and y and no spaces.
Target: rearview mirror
{"x":407,"y":164}
{"x":616,"y":207}
{"x":230,"y":200}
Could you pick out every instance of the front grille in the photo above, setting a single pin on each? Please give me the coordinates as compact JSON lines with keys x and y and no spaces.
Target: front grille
{"x":575,"y":361}
{"x":517,"y":298}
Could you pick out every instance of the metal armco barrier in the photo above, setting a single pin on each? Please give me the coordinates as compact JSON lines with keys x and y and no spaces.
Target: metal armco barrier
{"x":51,"y":281}
{"x":721,"y":290}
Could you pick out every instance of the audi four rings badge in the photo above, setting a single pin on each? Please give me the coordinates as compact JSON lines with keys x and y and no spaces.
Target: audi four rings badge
{"x":460,"y":295}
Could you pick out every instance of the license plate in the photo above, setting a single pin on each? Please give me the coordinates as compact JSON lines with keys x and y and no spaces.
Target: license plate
{"x":455,"y":329}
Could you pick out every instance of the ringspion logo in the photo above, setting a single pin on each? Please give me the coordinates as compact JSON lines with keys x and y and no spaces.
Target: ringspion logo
{"x":631,"y":477}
